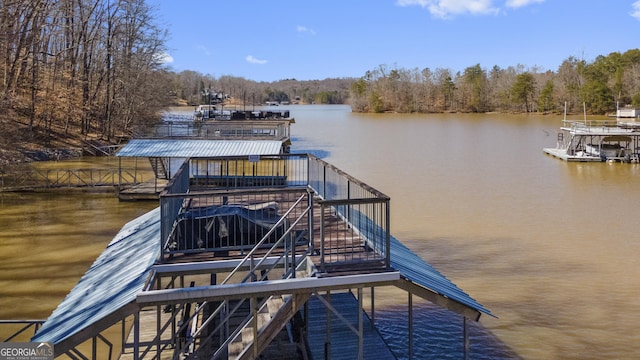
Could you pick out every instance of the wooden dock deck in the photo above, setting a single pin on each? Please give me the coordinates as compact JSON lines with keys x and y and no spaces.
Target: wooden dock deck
{"x":148,"y":190}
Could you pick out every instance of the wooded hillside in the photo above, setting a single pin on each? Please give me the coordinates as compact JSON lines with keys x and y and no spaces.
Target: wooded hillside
{"x":76,"y":69}
{"x":83,"y":66}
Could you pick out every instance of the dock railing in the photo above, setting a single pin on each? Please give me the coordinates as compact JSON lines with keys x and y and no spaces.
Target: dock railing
{"x":230,"y":129}
{"x":365,"y":210}
{"x":590,"y":125}
{"x":30,"y":179}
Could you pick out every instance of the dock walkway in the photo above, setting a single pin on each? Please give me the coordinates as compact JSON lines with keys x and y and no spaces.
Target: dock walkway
{"x":38,"y":179}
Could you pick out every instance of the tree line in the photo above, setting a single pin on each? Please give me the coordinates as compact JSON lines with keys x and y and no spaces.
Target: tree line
{"x":191,"y":87}
{"x":601,"y":85}
{"x":98,"y":67}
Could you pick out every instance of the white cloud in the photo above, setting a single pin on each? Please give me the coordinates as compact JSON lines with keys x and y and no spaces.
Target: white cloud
{"x":252,"y":60}
{"x":447,"y":8}
{"x":304,"y":29}
{"x":521,"y":3}
{"x":636,"y":10}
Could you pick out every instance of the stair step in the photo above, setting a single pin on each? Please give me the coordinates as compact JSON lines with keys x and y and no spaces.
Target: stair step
{"x":244,"y":339}
{"x":274,"y":304}
{"x":247,"y":336}
{"x":234,"y":349}
{"x":157,"y":164}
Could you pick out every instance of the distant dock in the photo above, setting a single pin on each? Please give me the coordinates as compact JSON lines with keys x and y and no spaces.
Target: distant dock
{"x":599,"y":140}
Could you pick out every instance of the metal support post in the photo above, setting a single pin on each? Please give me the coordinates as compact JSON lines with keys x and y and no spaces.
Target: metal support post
{"x":327,"y":343}
{"x":465,"y":331}
{"x":410,"y":306}
{"x":360,"y":326}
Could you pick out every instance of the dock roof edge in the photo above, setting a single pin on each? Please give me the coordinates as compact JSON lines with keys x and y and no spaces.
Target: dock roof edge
{"x":180,"y":148}
{"x":109,"y":286}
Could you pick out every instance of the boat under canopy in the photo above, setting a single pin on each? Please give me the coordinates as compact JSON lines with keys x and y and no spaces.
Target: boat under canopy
{"x":227,"y":227}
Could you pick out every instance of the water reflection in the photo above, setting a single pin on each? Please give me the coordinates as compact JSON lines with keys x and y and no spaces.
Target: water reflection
{"x":438,"y":334}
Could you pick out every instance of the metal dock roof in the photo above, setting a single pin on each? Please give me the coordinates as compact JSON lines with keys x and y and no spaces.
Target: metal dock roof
{"x":417,"y":271}
{"x":413,"y":268}
{"x":111,"y":283}
{"x":198,"y":148}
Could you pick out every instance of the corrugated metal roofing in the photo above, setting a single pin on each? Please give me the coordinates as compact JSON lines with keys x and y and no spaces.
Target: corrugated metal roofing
{"x":112,"y":282}
{"x":412,"y":267}
{"x":198,"y":148}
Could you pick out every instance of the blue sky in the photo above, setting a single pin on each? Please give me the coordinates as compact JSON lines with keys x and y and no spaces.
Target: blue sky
{"x":313,"y":40}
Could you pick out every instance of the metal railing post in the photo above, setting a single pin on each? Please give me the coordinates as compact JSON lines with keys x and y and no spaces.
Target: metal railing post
{"x":322,"y":237}
{"x":310,"y":217}
{"x":387,"y":225}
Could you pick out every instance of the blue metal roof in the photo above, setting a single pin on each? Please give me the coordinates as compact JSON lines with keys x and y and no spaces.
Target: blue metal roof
{"x":413,"y":268}
{"x":112,"y":282}
{"x":198,"y":148}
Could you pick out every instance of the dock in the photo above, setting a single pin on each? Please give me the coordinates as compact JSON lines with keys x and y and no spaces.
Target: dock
{"x":598,"y":141}
{"x":562,"y":155}
{"x":252,"y":253}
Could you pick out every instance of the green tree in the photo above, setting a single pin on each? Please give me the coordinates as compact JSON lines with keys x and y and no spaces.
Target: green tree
{"x":597,"y":97}
{"x":358,"y":91}
{"x":475,"y":79}
{"x":359,"y":87}
{"x":545,"y":101}
{"x":523,"y":89}
{"x":448,"y":89}
{"x":376,"y":104}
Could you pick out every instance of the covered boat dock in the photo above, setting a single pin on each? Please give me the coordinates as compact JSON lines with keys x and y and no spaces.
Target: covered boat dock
{"x":598,"y":141}
{"x":166,"y":156}
{"x":235,"y":272}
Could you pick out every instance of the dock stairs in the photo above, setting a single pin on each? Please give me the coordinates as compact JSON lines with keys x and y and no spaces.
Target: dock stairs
{"x":159,"y":167}
{"x":272,"y":317}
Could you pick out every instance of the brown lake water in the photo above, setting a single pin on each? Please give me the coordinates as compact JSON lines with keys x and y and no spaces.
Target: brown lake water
{"x":550,"y":247}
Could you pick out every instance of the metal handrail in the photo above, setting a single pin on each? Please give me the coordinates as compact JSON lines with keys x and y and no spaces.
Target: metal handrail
{"x":249,"y":256}
{"x":264,"y":239}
